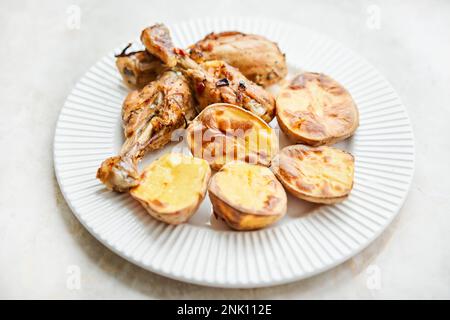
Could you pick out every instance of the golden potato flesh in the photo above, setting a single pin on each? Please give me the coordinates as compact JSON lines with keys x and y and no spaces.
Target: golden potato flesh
{"x":247,"y":196}
{"x":172,"y":187}
{"x":315,"y":110}
{"x":223,"y":132}
{"x":316,"y":174}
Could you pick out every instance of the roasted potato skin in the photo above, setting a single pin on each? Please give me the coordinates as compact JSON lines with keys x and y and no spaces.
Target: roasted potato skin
{"x":157,"y":209}
{"x":177,"y":217}
{"x":337,"y":120}
{"x":284,"y":172}
{"x":242,"y":218}
{"x":258,"y":58}
{"x":211,"y":119}
{"x":295,"y":192}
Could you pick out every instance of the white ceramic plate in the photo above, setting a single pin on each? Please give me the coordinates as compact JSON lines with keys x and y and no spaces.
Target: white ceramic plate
{"x":309,"y":240}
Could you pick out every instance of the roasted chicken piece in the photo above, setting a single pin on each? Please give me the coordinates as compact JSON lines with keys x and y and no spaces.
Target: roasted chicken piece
{"x":150,"y":116}
{"x":119,"y":173}
{"x":138,"y":68}
{"x":158,"y":42}
{"x":214,"y":81}
{"x":259,"y":59}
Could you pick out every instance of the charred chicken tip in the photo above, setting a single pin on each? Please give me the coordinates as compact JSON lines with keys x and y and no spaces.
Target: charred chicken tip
{"x":123,"y":53}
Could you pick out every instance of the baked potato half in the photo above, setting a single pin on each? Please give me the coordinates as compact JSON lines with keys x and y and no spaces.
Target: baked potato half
{"x":314,"y":109}
{"x":224,"y":132}
{"x":247,"y":196}
{"x":316,"y":174}
{"x":172,"y":187}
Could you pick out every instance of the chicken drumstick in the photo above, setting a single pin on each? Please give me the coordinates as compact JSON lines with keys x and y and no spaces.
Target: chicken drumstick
{"x":214,"y":81}
{"x":150,"y":117}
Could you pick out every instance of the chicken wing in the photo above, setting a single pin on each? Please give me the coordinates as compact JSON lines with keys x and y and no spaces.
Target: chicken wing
{"x":138,"y":68}
{"x":157,"y":41}
{"x":150,"y":116}
{"x":214,"y":81}
{"x":256,"y":57}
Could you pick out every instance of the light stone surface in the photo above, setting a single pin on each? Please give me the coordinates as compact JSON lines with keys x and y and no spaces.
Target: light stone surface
{"x":41,"y":242}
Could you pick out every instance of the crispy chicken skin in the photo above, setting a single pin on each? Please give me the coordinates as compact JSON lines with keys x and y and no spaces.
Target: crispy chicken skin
{"x":150,"y":116}
{"x":119,"y":173}
{"x":214,"y":81}
{"x":138,"y":68}
{"x":158,"y":42}
{"x":259,"y":59}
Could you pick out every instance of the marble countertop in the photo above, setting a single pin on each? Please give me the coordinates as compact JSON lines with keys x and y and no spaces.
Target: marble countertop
{"x":48,"y":45}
